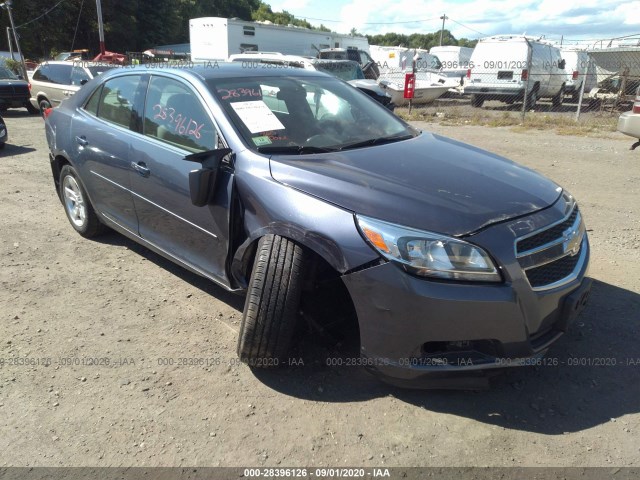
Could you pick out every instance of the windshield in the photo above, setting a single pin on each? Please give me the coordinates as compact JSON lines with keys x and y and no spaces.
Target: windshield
{"x":344,"y":70}
{"x":305,"y":114}
{"x":6,"y":74}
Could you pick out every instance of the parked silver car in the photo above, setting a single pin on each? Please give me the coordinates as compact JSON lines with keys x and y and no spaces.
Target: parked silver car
{"x":629,"y":122}
{"x":52,"y":82}
{"x":3,"y":133}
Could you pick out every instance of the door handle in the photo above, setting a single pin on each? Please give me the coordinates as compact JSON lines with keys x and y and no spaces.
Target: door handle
{"x":141,"y":168}
{"x":82,"y":141}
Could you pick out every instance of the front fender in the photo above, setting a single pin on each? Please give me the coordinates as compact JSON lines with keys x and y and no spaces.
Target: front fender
{"x":269,"y":207}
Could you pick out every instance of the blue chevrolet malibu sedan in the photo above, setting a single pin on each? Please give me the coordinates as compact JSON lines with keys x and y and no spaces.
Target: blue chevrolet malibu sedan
{"x":274,"y":182}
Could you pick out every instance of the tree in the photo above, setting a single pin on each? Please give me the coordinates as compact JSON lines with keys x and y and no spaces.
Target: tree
{"x":419,"y":40}
{"x":129,"y":25}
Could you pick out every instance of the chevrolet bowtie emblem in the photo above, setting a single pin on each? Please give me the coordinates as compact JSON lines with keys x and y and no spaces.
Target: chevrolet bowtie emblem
{"x":572,"y":240}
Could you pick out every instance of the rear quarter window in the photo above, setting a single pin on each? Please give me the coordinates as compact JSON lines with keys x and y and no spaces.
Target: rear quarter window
{"x":117,"y":99}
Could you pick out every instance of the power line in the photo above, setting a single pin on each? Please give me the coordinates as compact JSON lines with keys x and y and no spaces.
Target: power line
{"x":368,"y":23}
{"x":464,"y":26}
{"x":45,"y":13}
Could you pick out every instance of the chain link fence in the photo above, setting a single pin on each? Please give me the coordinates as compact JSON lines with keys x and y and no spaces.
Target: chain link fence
{"x":515,"y":79}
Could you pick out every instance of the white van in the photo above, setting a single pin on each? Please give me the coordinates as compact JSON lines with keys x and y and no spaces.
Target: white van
{"x":579,"y":68}
{"x":503,"y":67}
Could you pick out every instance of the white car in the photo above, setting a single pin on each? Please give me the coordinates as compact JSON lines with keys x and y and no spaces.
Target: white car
{"x":347,"y":70}
{"x":629,"y":122}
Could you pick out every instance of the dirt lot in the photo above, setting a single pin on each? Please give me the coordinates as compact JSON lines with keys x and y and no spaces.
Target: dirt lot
{"x":74,"y":303}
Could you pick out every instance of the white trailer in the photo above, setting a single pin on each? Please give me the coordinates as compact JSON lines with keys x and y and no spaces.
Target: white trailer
{"x":216,"y":38}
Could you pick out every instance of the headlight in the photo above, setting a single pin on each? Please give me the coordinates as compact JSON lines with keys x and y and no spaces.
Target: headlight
{"x":429,"y":254}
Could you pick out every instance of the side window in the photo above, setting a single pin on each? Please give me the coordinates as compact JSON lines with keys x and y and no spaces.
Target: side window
{"x":60,"y":74}
{"x":42,"y":74}
{"x":173,"y":113}
{"x":92,"y":105}
{"x":78,"y":74}
{"x":116,"y":99}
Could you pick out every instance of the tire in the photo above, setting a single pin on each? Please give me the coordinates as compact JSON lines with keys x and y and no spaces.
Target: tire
{"x":558,"y":99}
{"x":477,"y":101}
{"x":271,"y":307}
{"x":44,"y":104}
{"x":2,"y":144}
{"x":76,"y":204}
{"x":532,"y":100}
{"x":31,"y":109}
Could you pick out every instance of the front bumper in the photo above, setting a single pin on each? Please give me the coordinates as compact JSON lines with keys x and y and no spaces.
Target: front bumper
{"x":421,"y":333}
{"x":629,"y":124}
{"x":495,"y":92}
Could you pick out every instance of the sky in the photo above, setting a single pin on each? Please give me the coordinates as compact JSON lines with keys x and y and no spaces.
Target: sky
{"x":576,"y":21}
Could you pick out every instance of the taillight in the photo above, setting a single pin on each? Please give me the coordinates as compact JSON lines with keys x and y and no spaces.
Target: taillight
{"x":47,"y":112}
{"x":524,"y":75}
{"x":29,"y":86}
{"x":636,"y":107}
{"x":468,"y":73}
{"x":575,"y":75}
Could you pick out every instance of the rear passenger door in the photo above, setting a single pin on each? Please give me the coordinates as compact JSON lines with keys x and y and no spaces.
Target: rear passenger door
{"x":102,"y":133}
{"x":176,"y":123}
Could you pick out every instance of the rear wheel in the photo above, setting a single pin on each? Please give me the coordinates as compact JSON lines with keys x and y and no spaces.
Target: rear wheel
{"x":477,"y":101}
{"x":558,"y":99}
{"x":76,"y":203}
{"x":271,"y":307}
{"x":44,"y":104}
{"x":532,"y":100}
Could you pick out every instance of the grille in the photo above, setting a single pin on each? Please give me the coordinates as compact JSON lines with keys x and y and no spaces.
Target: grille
{"x":547,"y":236}
{"x":553,"y":271}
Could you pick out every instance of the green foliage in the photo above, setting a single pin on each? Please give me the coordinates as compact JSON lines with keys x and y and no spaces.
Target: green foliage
{"x":129,"y":25}
{"x":14,"y":65}
{"x":264,"y":13}
{"x":419,"y":40}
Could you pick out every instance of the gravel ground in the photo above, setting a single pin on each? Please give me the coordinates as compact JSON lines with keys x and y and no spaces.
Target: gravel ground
{"x":69,"y":306}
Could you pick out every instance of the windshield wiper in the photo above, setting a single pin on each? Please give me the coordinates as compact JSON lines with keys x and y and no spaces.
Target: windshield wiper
{"x":294,"y":149}
{"x":376,"y":141}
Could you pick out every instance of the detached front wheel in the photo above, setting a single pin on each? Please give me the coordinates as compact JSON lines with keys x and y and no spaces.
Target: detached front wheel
{"x":271,"y":307}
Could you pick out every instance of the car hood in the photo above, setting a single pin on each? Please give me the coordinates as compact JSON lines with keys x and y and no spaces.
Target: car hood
{"x":428,"y":182}
{"x":367,"y":84}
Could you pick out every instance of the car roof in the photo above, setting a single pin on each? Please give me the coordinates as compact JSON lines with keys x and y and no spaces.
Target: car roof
{"x":215,"y":69}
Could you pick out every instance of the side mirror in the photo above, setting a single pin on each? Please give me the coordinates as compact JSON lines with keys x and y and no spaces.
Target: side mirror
{"x":562,"y":63}
{"x":202,"y":182}
{"x":83,"y":81}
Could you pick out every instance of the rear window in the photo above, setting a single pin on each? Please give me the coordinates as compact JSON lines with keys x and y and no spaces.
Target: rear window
{"x":98,"y":70}
{"x":6,"y":74}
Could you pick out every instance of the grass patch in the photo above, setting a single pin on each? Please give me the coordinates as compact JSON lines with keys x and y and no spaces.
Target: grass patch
{"x":591,"y":124}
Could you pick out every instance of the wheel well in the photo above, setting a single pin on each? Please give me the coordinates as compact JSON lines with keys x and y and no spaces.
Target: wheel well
{"x":56,"y":167}
{"x":327,"y":312}
{"x":326,"y":308}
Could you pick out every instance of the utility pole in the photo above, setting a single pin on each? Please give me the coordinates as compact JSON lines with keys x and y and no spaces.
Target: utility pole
{"x":7,"y":6}
{"x":100,"y":27}
{"x":9,"y":42}
{"x":443,"y":18}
